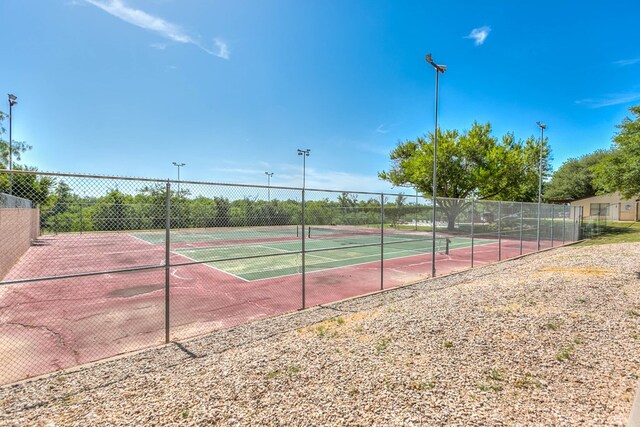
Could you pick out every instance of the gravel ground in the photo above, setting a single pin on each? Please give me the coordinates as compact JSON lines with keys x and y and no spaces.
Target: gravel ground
{"x":549,"y":339}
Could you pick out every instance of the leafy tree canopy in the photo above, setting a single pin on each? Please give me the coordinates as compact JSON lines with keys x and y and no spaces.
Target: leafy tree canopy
{"x":18,"y":147}
{"x":30,"y":187}
{"x":574,"y":179}
{"x":473,"y":163}
{"x":620,"y":170}
{"x":470,"y":164}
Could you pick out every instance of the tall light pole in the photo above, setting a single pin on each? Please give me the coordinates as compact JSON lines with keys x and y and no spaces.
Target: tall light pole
{"x":12,"y":101}
{"x":178,"y":165}
{"x":269,"y":175}
{"x":304,"y":154}
{"x":439,"y":69}
{"x":542,"y":127}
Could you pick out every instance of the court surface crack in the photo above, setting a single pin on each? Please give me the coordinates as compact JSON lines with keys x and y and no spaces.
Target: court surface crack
{"x":57,"y":335}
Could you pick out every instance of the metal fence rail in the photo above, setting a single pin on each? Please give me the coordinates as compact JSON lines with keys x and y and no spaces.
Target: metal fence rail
{"x":125,"y":263}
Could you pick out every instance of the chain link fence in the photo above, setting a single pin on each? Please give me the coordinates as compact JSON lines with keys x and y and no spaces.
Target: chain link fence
{"x":108,"y":265}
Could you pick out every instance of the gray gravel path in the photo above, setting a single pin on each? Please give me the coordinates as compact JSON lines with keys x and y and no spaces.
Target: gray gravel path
{"x":549,"y":339}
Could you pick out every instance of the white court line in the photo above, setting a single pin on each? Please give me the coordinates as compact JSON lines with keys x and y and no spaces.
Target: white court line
{"x":174,"y":273}
{"x":292,"y":253}
{"x":142,"y":240}
{"x":210,"y":266}
{"x":268,"y":247}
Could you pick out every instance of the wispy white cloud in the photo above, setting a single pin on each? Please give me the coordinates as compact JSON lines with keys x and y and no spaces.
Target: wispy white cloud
{"x":375,"y":149}
{"x":625,"y":62}
{"x":243,"y":171}
{"x":336,"y":180}
{"x":223,"y":49}
{"x":290,"y":175}
{"x":381,"y":129}
{"x":166,"y":29}
{"x":609,"y":100}
{"x":159,"y":46}
{"x":479,"y":35}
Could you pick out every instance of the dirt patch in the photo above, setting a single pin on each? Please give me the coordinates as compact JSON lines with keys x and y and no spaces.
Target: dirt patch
{"x":134,"y":290}
{"x":580,"y":271}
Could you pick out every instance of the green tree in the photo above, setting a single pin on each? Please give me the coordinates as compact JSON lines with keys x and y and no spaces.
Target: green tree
{"x":114,"y":212}
{"x":152,"y":205}
{"x":18,"y":147}
{"x":222,"y":217}
{"x":620,"y":170}
{"x":575,"y":178}
{"x":470,"y":164}
{"x":29,"y":187}
{"x":203,"y":212}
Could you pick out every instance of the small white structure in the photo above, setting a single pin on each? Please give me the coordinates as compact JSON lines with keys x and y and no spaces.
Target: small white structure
{"x":609,"y":206}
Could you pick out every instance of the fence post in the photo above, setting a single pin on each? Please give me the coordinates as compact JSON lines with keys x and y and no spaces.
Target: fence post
{"x":564,"y":222}
{"x":553,"y":220}
{"x":521,"y":224}
{"x":433,"y":236}
{"x":81,"y":224}
{"x":473,"y":220}
{"x":416,"y":213}
{"x":303,"y":249}
{"x":579,"y":223}
{"x":382,"y":240}
{"x":499,"y":231}
{"x":167,"y":260}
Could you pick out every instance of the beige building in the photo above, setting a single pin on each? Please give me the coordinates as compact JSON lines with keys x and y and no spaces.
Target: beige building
{"x":609,"y":206}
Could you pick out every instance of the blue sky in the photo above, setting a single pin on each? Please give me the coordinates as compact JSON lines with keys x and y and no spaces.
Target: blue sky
{"x":233,"y":88}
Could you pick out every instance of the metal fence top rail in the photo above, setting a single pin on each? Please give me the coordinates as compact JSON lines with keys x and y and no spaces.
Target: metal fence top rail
{"x":173,"y":181}
{"x":272,"y":187}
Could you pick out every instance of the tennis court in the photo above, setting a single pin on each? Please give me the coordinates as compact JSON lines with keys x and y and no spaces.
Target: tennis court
{"x":110,"y":271}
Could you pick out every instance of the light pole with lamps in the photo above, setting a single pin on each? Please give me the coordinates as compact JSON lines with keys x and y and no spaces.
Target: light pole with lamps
{"x":269,"y":175}
{"x":304,"y":154}
{"x":439,"y":69}
{"x":178,"y":165}
{"x":542,"y":127}
{"x":12,"y":101}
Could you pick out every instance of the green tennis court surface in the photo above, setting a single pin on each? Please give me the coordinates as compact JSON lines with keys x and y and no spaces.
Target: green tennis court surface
{"x":335,"y":253}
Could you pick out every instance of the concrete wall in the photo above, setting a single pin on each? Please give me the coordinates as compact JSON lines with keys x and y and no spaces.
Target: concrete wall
{"x":18,"y":228}
{"x":619,"y":209}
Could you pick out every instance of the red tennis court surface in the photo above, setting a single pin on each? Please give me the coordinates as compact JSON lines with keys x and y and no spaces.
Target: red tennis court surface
{"x":59,"y":323}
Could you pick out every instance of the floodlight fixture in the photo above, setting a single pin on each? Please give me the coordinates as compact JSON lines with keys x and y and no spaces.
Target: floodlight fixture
{"x":439,"y":68}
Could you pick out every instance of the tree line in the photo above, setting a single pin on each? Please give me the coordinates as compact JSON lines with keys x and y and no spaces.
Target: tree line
{"x":146,"y":210}
{"x":603,"y":171}
{"x":472,"y":164}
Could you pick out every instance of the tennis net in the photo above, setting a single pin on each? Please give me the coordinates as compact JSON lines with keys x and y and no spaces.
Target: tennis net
{"x":365,"y":235}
